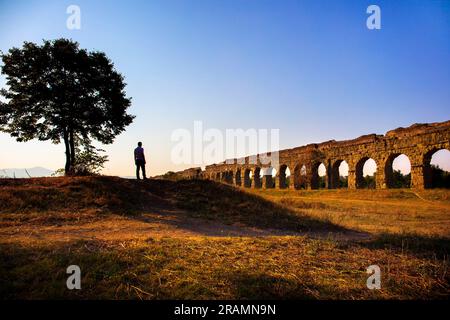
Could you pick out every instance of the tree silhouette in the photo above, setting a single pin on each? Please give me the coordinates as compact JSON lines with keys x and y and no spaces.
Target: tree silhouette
{"x":439,"y":177}
{"x":59,"y":92}
{"x":368,"y":182}
{"x":400,"y":180}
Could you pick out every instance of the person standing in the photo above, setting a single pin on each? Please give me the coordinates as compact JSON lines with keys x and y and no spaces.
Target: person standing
{"x":139,"y":160}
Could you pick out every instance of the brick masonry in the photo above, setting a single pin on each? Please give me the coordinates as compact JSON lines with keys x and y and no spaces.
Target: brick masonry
{"x":419,"y":142}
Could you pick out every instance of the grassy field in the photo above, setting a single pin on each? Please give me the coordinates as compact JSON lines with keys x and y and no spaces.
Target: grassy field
{"x":184,"y":239}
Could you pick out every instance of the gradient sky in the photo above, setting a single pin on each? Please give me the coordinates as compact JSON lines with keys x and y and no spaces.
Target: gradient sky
{"x":310,"y":68}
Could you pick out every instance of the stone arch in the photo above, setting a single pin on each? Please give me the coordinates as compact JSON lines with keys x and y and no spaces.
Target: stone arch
{"x":257,"y":177}
{"x":362,"y":181}
{"x":269,"y":177}
{"x":300,"y":177}
{"x":435,"y":175}
{"x":395,"y":178}
{"x":225,"y":176}
{"x":218,"y":176}
{"x":284,"y":176}
{"x":319,"y":181}
{"x":237,"y":177}
{"x":247,"y":178}
{"x":229,"y":177}
{"x":338,"y":180}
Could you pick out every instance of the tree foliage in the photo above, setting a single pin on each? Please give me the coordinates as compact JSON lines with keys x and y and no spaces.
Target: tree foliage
{"x":88,"y":161}
{"x":400,"y":180}
{"x":368,"y":182}
{"x":439,"y":178}
{"x":59,"y":92}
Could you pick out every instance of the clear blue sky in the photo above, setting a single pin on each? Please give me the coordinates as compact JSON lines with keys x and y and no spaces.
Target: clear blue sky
{"x":310,"y":68}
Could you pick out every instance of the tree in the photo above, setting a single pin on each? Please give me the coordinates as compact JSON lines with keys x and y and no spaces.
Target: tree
{"x":343,"y":181}
{"x":369,"y":182}
{"x":400,"y":180}
{"x":439,"y":177}
{"x":59,"y":92}
{"x":88,"y":162}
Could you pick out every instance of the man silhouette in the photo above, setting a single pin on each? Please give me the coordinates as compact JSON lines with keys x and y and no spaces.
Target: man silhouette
{"x":139,"y":160}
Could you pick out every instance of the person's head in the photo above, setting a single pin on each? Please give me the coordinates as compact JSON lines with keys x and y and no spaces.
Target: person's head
{"x":139,"y":144}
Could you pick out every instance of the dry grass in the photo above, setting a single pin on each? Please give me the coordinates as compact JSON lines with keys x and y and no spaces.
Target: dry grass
{"x":161,"y":239}
{"x":229,"y":268}
{"x":403,"y":211}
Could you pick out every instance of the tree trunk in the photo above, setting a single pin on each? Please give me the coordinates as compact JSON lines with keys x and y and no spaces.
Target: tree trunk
{"x":72,"y":147}
{"x":68,"y":155}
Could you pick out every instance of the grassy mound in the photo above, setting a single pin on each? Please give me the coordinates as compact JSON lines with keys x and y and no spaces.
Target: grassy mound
{"x":196,"y":198}
{"x":73,"y":193}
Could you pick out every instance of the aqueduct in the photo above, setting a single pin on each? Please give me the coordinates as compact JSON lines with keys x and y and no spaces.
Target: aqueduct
{"x":418,"y":142}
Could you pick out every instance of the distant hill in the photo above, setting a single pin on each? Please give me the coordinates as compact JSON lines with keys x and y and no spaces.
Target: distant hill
{"x":22,"y":172}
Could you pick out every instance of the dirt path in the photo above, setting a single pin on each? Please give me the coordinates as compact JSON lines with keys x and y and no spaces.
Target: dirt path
{"x":166,"y":223}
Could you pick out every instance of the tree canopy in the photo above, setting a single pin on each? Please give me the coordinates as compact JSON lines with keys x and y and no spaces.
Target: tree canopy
{"x":59,"y":92}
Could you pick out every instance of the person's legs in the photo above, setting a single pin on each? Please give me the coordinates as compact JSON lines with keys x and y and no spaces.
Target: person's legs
{"x":143,"y":171}
{"x":137,"y":170}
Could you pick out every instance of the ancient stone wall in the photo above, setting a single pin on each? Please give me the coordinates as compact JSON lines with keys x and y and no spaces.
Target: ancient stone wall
{"x":418,"y":142}
{"x":191,"y":173}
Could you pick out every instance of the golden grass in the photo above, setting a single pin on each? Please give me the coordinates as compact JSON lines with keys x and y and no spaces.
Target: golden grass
{"x":405,"y":233}
{"x":425,"y":212}
{"x":229,"y":268}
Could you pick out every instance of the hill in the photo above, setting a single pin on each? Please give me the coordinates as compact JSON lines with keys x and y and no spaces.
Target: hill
{"x":192,"y":239}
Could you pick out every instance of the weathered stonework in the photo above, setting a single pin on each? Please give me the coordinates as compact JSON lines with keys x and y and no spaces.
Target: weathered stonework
{"x":191,"y":173}
{"x":418,"y":142}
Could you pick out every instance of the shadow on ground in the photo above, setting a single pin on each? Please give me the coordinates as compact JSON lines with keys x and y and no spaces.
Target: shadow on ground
{"x":193,"y":206}
{"x":432,"y":248}
{"x":218,"y":202}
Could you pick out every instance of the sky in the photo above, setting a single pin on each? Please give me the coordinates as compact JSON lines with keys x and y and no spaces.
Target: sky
{"x":311,"y":69}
